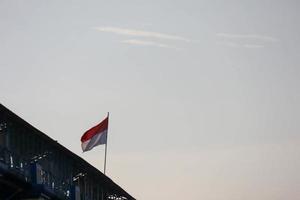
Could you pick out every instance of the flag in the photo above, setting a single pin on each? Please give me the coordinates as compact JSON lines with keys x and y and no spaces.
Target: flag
{"x":95,"y":136}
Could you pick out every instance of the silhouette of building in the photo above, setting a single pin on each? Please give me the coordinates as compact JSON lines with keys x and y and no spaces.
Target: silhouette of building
{"x":34,"y":166}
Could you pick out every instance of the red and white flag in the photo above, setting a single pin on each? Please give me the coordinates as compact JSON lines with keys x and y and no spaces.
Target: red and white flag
{"x":95,"y":136}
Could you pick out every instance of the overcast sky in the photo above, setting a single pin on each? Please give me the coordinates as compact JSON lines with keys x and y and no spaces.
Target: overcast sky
{"x":203,"y":95}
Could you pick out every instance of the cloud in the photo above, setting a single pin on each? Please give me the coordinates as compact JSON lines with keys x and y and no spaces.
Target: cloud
{"x":248,"y":36}
{"x":253,"y":46}
{"x":229,"y":44}
{"x":237,"y":45}
{"x":147,"y":43}
{"x":141,"y":33}
{"x":249,"y":41}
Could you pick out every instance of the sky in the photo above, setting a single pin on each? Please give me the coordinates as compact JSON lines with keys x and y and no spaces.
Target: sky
{"x":203,"y":95}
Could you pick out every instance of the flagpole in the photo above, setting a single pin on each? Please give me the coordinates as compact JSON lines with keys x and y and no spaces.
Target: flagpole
{"x":106,"y":145}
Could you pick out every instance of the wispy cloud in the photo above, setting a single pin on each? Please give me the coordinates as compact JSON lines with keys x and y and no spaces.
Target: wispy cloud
{"x":248,"y":36}
{"x":141,"y":33}
{"x":229,"y":44}
{"x":237,"y":45}
{"x":253,"y":46}
{"x":250,"y":41}
{"x":147,"y":43}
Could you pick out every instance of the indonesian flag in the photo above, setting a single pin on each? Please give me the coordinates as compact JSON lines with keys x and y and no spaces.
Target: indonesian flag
{"x":95,"y":136}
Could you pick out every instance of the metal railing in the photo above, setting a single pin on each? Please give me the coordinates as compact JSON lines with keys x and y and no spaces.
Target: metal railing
{"x":18,"y":166}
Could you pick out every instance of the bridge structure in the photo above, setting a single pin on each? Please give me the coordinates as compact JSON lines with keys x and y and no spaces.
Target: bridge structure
{"x":35,"y":167}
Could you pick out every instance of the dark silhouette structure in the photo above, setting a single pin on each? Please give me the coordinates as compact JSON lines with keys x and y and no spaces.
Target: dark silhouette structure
{"x":34,"y":166}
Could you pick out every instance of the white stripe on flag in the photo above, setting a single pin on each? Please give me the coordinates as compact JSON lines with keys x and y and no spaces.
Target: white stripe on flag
{"x":97,"y":139}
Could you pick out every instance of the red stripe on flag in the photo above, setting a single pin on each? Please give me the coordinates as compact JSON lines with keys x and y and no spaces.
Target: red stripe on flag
{"x":102,"y":126}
